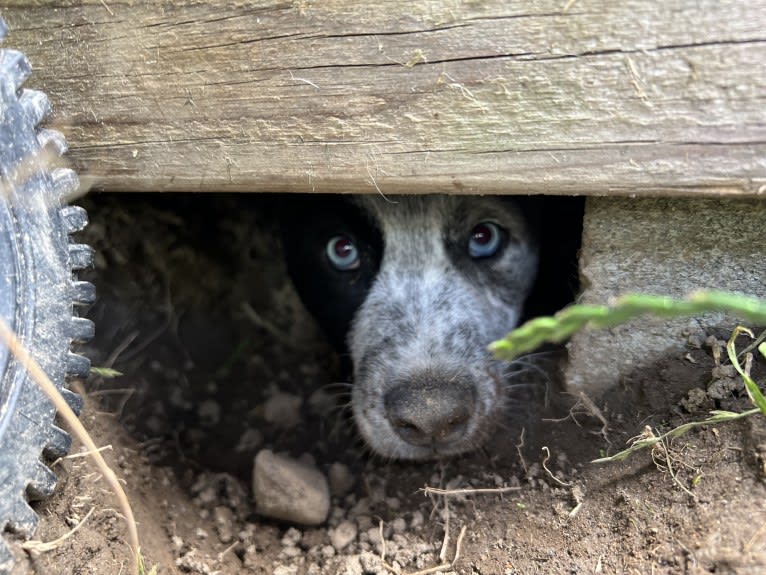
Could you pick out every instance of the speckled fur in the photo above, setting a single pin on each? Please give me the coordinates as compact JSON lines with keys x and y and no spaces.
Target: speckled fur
{"x":432,"y":310}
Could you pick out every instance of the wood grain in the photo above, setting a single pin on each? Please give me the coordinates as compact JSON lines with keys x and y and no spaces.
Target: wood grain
{"x":567,"y":96}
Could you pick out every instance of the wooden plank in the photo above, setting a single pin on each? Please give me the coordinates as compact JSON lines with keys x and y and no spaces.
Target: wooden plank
{"x":554,"y":96}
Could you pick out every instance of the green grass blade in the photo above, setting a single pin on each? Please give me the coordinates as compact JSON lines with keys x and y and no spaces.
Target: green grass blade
{"x":752,"y":388}
{"x":105,"y":372}
{"x":572,"y":319}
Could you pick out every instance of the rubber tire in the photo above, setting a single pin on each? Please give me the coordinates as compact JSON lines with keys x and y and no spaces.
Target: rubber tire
{"x":37,"y":293}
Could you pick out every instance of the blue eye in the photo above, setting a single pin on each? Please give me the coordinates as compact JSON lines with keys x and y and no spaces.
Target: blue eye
{"x":342,"y":253}
{"x":485,"y":240}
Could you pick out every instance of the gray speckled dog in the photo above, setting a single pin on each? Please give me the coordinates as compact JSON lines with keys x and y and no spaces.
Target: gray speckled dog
{"x":415,"y":288}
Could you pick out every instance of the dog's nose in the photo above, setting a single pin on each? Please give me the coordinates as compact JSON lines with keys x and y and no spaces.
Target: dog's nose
{"x":430,"y":413}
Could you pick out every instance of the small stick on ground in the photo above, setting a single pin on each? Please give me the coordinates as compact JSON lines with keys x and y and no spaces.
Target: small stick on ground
{"x":46,"y":385}
{"x":549,"y":472}
{"x":108,"y":9}
{"x":230,"y":548}
{"x":382,"y":542}
{"x":36,"y":547}
{"x":481,"y":490}
{"x":120,"y":349}
{"x":445,"y":540}
{"x":78,"y":455}
{"x":589,"y":408}
{"x":755,"y":537}
{"x":459,"y":544}
{"x":87,"y":453}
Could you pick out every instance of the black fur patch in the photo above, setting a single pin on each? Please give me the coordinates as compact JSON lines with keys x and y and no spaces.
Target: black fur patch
{"x":332,"y":296}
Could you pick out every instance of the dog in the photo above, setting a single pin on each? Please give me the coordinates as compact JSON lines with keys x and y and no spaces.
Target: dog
{"x":413,"y":289}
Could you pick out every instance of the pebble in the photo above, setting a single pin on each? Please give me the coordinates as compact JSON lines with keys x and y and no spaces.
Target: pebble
{"x":292,"y":537}
{"x":341,"y":479}
{"x":417,"y":520}
{"x":289,"y":490}
{"x":322,"y":403}
{"x":362,"y":507}
{"x":252,"y":558}
{"x":224,"y":521}
{"x":373,"y":535}
{"x":399,"y":525}
{"x":283,"y":410}
{"x":292,"y":552}
{"x":191,"y":562}
{"x":343,"y":535}
{"x":250,"y":440}
{"x":328,"y":551}
{"x":364,"y":522}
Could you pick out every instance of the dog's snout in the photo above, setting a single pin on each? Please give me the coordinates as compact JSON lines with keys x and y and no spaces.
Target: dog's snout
{"x":430,"y":413}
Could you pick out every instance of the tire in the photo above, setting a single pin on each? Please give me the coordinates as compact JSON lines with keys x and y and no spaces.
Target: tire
{"x":37,"y":294}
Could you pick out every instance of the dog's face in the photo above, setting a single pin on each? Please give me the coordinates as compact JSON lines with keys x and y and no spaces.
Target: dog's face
{"x":416,"y":288}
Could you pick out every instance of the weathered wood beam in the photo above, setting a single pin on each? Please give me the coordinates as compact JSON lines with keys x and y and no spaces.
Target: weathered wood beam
{"x":555,"y":96}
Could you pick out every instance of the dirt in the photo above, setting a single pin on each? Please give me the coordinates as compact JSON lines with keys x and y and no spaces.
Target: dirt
{"x":220,"y":361}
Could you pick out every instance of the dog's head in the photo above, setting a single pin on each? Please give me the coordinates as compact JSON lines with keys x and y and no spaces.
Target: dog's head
{"x":415,"y":288}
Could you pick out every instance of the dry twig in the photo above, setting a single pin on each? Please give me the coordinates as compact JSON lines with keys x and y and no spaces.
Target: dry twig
{"x":437,"y":491}
{"x":37,"y":547}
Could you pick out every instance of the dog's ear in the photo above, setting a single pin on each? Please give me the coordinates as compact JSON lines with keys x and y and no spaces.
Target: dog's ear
{"x":307,"y":224}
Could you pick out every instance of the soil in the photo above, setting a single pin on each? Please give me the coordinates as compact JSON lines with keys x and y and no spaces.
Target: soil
{"x":219,"y":361}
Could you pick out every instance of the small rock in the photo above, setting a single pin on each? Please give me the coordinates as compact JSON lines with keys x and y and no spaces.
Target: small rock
{"x":191,"y":562}
{"x":291,"y":538}
{"x":250,"y":440}
{"x":417,"y":520}
{"x":341,"y":479}
{"x":247,"y":534}
{"x":292,"y":552}
{"x":373,"y":535}
{"x":322,"y":403}
{"x":337,"y":514}
{"x":362,"y":507}
{"x":307,"y":459}
{"x":399,"y":525}
{"x":251,"y":558}
{"x":206,"y":497}
{"x":224,"y":522}
{"x":364,"y":522}
{"x":283,"y":410}
{"x":288,"y":490}
{"x":328,"y":551}
{"x":343,"y":534}
{"x":209,"y":413}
